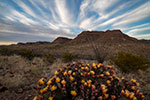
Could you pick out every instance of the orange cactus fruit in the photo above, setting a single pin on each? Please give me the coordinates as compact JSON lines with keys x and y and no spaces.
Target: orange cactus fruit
{"x":49,"y":81}
{"x":104,"y":91}
{"x":131,"y":95}
{"x":92,"y":72}
{"x":63,"y":82}
{"x":44,"y":90}
{"x":137,"y":84}
{"x":73,"y":93}
{"x":65,"y":73}
{"x":75,"y":83}
{"x":133,"y":87}
{"x":50,"y":98}
{"x":71,"y":78}
{"x":76,"y":69}
{"x":126,"y":93}
{"x":109,"y":67}
{"x":89,"y":85}
{"x":93,"y":86}
{"x":85,"y":83}
{"x":107,"y":73}
{"x":122,"y":92}
{"x":53,"y":88}
{"x":35,"y":98}
{"x":86,"y":68}
{"x":133,"y":80}
{"x":100,"y":98}
{"x":94,"y":66}
{"x":81,"y":74}
{"x":82,"y":81}
{"x":106,"y":96}
{"x":41,"y":81}
{"x":57,"y":79}
{"x":56,"y":73}
{"x":88,"y":73}
{"x":101,"y":75}
{"x":134,"y":98}
{"x":69,"y":72}
{"x":82,"y":68}
{"x":89,"y":81}
{"x":81,"y":99}
{"x":122,"y":78}
{"x":113,"y":97}
{"x":108,"y":82}
{"x":73,"y":73}
{"x":137,"y":91}
{"x":102,"y":86}
{"x":117,"y":78}
{"x":142,"y":96}
{"x":99,"y":65}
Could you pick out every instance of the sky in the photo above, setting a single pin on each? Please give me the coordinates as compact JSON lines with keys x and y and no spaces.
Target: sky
{"x":45,"y":20}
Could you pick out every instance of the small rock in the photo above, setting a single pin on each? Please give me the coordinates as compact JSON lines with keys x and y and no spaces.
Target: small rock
{"x":20,"y":90}
{"x":29,"y":95}
{"x":11,"y":75}
{"x":26,"y":98}
{"x":3,"y":89}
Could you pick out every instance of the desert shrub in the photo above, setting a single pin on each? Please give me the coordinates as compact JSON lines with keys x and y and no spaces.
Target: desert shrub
{"x":78,"y":81}
{"x":49,"y":58}
{"x":130,"y":63}
{"x":37,"y":71}
{"x":28,"y":54}
{"x":6,"y":52}
{"x":67,"y":57}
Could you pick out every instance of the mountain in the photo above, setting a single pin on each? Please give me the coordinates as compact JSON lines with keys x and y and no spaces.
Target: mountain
{"x":113,"y":36}
{"x":61,"y":40}
{"x":110,"y":42}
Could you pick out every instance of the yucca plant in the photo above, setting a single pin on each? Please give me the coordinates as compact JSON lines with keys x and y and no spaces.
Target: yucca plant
{"x":79,"y":81}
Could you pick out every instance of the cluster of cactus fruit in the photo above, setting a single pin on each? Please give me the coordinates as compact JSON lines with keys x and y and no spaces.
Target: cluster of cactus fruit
{"x":79,"y":81}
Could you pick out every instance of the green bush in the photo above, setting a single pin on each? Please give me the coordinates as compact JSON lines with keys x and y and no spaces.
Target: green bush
{"x":79,"y":81}
{"x":28,"y":54}
{"x":67,"y":57}
{"x":49,"y":58}
{"x":129,"y":62}
{"x":6,"y":52}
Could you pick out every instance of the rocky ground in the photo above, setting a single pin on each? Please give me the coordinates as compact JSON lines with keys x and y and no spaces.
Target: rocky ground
{"x":19,"y":76}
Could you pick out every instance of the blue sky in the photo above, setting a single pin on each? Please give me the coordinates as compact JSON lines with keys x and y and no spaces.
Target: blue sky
{"x":44,"y":20}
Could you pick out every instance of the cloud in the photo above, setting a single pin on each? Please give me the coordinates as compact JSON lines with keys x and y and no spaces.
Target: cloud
{"x":30,"y":32}
{"x":134,"y":27}
{"x":65,"y":15}
{"x":135,"y":15}
{"x":136,"y":31}
{"x":100,"y":6}
{"x":7,"y":43}
{"x":85,"y":24}
{"x":142,"y":36}
{"x":52,"y":18}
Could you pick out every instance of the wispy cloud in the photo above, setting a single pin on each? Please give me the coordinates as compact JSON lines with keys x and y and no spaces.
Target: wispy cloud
{"x":53,"y":18}
{"x":137,"y":31}
{"x":65,"y":15}
{"x":135,"y":15}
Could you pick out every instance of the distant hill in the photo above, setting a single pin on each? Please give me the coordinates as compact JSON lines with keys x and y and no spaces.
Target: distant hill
{"x":110,"y":41}
{"x":61,"y":40}
{"x":114,"y":36}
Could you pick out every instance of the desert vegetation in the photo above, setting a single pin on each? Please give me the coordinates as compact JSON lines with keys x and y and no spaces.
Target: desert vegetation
{"x":130,"y":63}
{"x":68,"y":57}
{"x":79,"y":81}
{"x":22,"y":65}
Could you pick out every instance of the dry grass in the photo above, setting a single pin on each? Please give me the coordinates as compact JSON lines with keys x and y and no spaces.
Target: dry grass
{"x":16,"y":72}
